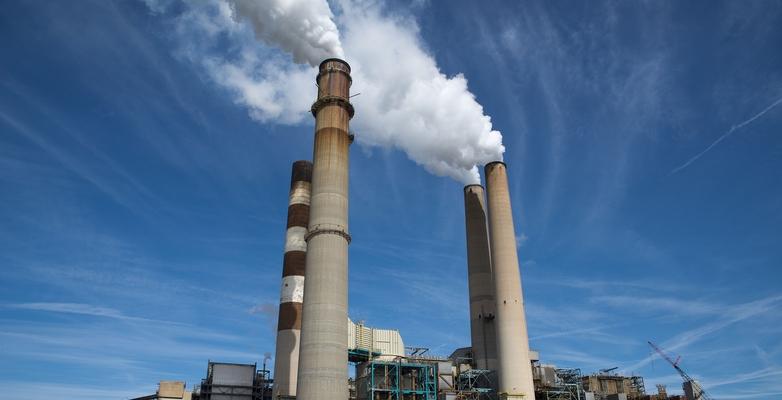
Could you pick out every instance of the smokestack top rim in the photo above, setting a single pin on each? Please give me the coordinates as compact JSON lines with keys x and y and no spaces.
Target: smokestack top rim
{"x":466,"y":187}
{"x":320,"y":67}
{"x":489,"y":165}
{"x":495,"y":162}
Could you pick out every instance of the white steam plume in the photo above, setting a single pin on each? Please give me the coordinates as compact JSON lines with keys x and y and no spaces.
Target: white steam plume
{"x":405,"y":103}
{"x":304,"y":28}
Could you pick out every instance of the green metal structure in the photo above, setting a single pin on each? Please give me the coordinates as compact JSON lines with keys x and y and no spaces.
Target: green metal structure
{"x":396,"y":380}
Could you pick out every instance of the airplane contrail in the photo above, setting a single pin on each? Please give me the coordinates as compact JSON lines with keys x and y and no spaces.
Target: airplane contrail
{"x":724,"y":136}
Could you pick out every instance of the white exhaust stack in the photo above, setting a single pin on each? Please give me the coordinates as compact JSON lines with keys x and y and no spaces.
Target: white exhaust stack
{"x":514,"y":371}
{"x":479,"y":276}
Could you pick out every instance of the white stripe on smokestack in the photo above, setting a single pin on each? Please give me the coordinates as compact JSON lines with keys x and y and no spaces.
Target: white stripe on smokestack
{"x":286,"y":359}
{"x":479,"y":275}
{"x":514,"y":371}
{"x":323,"y":358}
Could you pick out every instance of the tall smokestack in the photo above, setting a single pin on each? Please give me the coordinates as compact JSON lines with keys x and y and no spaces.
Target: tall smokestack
{"x":479,"y":275}
{"x":286,"y":359}
{"x":323,"y":358}
{"x":514,"y":371}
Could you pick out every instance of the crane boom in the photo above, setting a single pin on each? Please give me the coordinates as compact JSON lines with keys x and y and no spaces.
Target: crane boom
{"x":675,"y":364}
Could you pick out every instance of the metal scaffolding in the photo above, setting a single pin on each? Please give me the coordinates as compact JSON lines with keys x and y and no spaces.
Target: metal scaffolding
{"x":637,"y":386}
{"x":474,"y":384}
{"x":396,"y":380}
{"x":568,"y":386}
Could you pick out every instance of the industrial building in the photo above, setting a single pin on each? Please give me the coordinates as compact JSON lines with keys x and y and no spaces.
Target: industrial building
{"x":169,"y":390}
{"x":223,"y":381}
{"x":317,"y":342}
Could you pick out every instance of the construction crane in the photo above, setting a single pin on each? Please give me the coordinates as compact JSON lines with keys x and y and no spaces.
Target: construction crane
{"x":700,"y":394}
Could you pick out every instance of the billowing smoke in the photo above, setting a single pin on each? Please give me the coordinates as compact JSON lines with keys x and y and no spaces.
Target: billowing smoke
{"x":405,"y":102}
{"x":304,"y":28}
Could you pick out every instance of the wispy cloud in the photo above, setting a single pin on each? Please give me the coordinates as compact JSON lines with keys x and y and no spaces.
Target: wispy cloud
{"x":569,"y":333}
{"x":724,"y":136}
{"x":760,"y":384}
{"x":730,"y":315}
{"x":763,"y":374}
{"x":755,"y":394}
{"x":266,"y":309}
{"x":521,"y":239}
{"x":81,"y":309}
{"x":138,"y":345}
{"x":553,"y":326}
{"x":673,"y":305}
{"x":429,"y":286}
{"x":77,"y":165}
{"x":601,"y":285}
{"x":533,"y":51}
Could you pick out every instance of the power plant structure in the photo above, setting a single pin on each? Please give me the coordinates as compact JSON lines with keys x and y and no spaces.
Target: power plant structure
{"x":316,"y":341}
{"x":500,"y":336}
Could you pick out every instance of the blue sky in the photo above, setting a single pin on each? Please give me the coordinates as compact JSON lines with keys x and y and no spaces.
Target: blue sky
{"x":143,"y":209}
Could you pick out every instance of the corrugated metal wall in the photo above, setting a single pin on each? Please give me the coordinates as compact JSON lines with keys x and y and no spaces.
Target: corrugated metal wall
{"x":384,"y":341}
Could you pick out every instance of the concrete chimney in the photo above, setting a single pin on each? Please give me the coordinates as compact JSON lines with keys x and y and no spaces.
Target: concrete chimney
{"x":323,"y":357}
{"x":286,"y":359}
{"x":514,"y":371}
{"x":479,"y":276}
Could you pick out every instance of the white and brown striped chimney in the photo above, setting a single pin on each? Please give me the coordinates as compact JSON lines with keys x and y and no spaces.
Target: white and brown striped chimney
{"x":286,"y":360}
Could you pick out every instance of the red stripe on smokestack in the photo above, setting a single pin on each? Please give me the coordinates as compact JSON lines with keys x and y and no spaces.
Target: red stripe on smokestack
{"x":286,"y":360}
{"x":479,"y":277}
{"x":514,"y":371}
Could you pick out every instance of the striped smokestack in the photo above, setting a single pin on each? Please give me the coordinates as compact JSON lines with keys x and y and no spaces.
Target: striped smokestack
{"x":286,"y":359}
{"x":479,"y":275}
{"x":514,"y":371}
{"x":323,"y":358}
